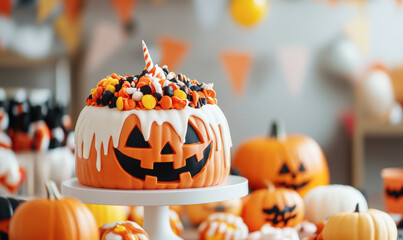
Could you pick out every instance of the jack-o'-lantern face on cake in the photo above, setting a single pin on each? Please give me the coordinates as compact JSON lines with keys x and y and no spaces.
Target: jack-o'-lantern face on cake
{"x":164,"y":157}
{"x":158,"y":158}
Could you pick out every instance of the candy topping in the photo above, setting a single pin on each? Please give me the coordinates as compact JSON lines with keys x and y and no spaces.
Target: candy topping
{"x":155,"y":88}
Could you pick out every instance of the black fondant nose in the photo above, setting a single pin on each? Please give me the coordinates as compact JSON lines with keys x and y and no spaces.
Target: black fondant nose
{"x":167,"y":149}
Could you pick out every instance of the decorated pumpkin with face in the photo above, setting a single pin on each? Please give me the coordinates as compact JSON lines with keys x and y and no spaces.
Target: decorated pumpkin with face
{"x":279,"y":207}
{"x":291,"y":161}
{"x":152,"y":149}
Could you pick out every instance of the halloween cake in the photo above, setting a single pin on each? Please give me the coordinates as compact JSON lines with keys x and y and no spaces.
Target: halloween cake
{"x":155,"y":130}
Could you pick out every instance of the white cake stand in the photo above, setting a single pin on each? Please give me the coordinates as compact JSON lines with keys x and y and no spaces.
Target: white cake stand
{"x":156,"y":202}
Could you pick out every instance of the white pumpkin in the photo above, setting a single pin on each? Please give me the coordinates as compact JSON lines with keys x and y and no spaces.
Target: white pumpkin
{"x":324,"y":201}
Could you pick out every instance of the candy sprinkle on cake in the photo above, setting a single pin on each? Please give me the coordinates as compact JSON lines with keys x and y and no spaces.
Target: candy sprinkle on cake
{"x":155,"y":88}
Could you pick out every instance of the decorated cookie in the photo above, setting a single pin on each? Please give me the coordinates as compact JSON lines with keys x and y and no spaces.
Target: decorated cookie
{"x":153,"y":130}
{"x":123,"y":231}
{"x":220,"y":226}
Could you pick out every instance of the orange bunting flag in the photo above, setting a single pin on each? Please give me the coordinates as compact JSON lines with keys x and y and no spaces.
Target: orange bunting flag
{"x":173,"y":52}
{"x":45,"y":8}
{"x":73,"y":8}
{"x":124,"y":9}
{"x":294,"y":62}
{"x":5,"y":7}
{"x":100,"y":50}
{"x":69,"y":30}
{"x":237,"y":65}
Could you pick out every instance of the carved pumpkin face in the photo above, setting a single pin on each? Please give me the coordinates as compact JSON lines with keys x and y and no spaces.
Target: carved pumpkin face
{"x":393,"y":189}
{"x":161,"y":161}
{"x":291,"y":161}
{"x":278,"y":207}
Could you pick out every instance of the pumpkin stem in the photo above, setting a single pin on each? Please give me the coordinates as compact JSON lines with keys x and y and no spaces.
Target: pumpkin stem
{"x":357,"y":208}
{"x":53,"y":192}
{"x":270,"y":186}
{"x":277,"y":130}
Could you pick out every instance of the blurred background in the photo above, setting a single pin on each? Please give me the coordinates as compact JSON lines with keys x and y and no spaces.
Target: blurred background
{"x":332,"y":70}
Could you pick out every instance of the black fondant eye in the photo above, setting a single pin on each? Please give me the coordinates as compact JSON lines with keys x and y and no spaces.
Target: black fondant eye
{"x":167,"y":149}
{"x":284,"y":169}
{"x":191,"y":135}
{"x":301,"y":168}
{"x":136,"y":139}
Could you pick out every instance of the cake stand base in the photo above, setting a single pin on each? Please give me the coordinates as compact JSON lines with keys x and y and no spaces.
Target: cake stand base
{"x":156,"y":202}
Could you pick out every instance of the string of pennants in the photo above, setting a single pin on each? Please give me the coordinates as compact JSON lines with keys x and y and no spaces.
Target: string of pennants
{"x":293,"y":60}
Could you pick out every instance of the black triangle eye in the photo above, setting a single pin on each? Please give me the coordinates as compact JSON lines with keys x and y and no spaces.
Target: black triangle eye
{"x":191,"y":135}
{"x":167,"y":149}
{"x":284,"y":169}
{"x":301,"y":168}
{"x":136,"y":139}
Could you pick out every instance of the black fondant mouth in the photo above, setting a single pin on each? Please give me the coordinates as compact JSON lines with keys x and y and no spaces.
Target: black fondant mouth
{"x":279,"y":216}
{"x":164,"y":171}
{"x":394,"y":193}
{"x":292,"y":186}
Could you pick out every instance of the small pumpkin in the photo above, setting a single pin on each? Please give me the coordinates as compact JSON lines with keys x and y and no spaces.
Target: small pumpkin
{"x":325,"y":201}
{"x":7,"y":209}
{"x":199,"y":212}
{"x":220,"y":226}
{"x":107,"y":213}
{"x":393,"y":189}
{"x":53,"y":218}
{"x":291,"y":161}
{"x":369,"y":225}
{"x":122,"y":231}
{"x":280,"y":207}
{"x":136,"y":215}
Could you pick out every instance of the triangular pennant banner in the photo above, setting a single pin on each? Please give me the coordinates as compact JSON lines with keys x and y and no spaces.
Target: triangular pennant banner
{"x":209,"y":11}
{"x":173,"y":52}
{"x":294,"y":61}
{"x":124,"y":9}
{"x":45,"y":8}
{"x":357,"y":31}
{"x":69,"y":30}
{"x":73,"y":8}
{"x":237,"y":66}
{"x":5,"y":7}
{"x":106,"y":39}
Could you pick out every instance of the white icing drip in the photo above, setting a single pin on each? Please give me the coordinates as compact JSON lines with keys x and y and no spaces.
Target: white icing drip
{"x":106,"y":124}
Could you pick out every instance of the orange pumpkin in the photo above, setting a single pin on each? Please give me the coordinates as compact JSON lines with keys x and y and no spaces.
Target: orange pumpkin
{"x":153,"y":158}
{"x":199,"y":212}
{"x":123,"y":230}
{"x":280,"y":207}
{"x":291,"y":161}
{"x":53,"y":218}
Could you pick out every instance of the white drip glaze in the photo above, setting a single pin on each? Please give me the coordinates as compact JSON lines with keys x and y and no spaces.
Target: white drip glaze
{"x":101,"y":124}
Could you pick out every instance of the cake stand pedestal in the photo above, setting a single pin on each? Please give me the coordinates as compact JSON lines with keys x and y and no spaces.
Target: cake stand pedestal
{"x":156,"y":202}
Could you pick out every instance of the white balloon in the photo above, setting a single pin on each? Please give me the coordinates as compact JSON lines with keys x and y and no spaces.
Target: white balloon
{"x":33,"y":41}
{"x":376,"y":94}
{"x":343,"y":59}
